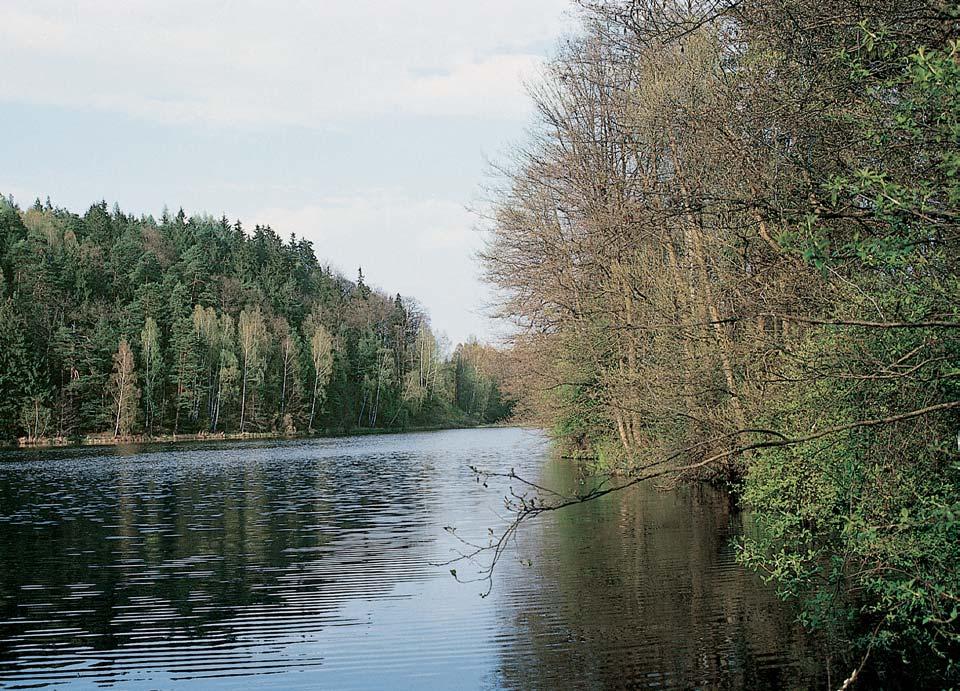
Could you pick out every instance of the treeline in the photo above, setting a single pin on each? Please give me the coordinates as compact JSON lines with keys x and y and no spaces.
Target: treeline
{"x":731,"y":247}
{"x":116,"y":325}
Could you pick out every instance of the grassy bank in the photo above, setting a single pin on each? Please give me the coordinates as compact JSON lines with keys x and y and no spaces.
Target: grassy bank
{"x":110,"y":440}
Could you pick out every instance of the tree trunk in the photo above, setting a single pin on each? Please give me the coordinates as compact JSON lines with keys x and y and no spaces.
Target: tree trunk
{"x":243,"y":395}
{"x":313,"y":404}
{"x":216,"y":408}
{"x":116,"y":431}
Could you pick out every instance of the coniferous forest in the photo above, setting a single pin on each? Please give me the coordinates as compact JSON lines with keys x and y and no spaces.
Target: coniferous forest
{"x":117,"y":326}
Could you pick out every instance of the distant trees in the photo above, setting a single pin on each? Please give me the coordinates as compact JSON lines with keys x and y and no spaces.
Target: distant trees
{"x":477,"y":368}
{"x":217,"y":329}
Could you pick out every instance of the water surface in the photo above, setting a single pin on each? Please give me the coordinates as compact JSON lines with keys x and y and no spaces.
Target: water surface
{"x":310,"y":564}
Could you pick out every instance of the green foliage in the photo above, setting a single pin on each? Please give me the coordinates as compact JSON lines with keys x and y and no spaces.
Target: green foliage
{"x":910,"y":103}
{"x":17,"y":371}
{"x":863,"y":527}
{"x":216,"y":321}
{"x":580,"y":421}
{"x":733,"y":244}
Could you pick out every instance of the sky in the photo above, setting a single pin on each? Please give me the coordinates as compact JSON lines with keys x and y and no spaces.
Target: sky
{"x":366,"y":127}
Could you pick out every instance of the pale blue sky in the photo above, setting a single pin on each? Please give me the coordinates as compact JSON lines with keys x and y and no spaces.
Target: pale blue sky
{"x":363,"y":126}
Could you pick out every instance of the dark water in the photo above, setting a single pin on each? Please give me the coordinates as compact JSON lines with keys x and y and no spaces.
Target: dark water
{"x":308,"y":565}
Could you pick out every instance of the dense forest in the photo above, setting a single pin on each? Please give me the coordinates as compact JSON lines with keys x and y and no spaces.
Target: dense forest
{"x":730,"y":246}
{"x":113,"y":326}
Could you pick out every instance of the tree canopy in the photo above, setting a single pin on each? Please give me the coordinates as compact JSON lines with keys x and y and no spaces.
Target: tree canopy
{"x":730,"y":247}
{"x":118,"y":325}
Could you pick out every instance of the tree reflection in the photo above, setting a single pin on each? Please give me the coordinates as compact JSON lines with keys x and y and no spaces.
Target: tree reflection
{"x":169,"y":555}
{"x":645,"y":584}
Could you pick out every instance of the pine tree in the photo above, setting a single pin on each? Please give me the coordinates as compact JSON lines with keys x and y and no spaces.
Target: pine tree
{"x":183,"y":370}
{"x":16,"y":370}
{"x":362,"y":290}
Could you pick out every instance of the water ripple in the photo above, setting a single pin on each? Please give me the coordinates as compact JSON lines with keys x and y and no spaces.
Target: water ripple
{"x":308,"y":563}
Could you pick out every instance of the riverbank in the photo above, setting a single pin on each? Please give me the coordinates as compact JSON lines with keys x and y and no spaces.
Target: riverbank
{"x":108,"y":440}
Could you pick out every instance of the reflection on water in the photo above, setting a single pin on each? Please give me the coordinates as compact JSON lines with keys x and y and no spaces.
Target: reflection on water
{"x":308,"y":564}
{"x":644,"y":587}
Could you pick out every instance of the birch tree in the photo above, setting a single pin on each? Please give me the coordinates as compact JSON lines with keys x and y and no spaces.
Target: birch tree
{"x":321,"y":354}
{"x":228,"y":373}
{"x":152,"y":365}
{"x":123,"y":388}
{"x":252,"y":340}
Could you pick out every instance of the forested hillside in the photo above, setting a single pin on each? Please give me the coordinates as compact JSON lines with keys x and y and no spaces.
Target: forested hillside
{"x":731,"y":249}
{"x":116,"y":325}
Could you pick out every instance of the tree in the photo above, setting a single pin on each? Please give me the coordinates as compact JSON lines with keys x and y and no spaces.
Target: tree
{"x":35,"y":418}
{"x":16,"y":371}
{"x":71,"y":285}
{"x":362,"y":290}
{"x":729,"y":250}
{"x":152,"y":364}
{"x":123,"y":388}
{"x":252,"y":339}
{"x":289,"y":352}
{"x":321,"y":354}
{"x":227,"y":373}
{"x":184,"y":370}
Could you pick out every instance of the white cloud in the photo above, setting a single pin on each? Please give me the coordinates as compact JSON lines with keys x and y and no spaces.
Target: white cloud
{"x":276,"y":63}
{"x":417,"y":247}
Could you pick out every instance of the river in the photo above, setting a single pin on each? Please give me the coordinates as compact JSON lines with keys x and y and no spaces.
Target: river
{"x":312,"y":564}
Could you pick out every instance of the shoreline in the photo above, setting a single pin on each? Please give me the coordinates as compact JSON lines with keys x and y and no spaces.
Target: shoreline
{"x":129,"y":440}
